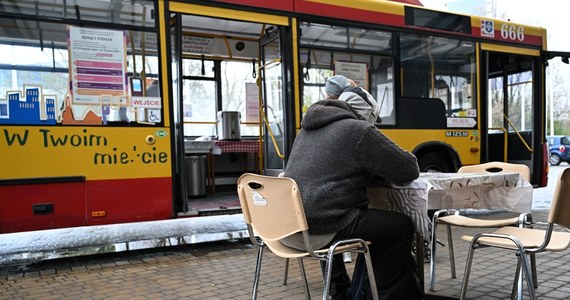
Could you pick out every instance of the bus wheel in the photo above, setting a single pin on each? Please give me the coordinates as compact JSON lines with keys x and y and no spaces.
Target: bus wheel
{"x":434,"y":163}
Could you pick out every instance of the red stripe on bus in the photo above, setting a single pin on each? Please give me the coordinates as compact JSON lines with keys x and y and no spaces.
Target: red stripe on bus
{"x":360,"y":15}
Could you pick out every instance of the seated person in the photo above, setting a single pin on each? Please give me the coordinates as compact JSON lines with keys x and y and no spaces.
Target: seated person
{"x":333,"y":160}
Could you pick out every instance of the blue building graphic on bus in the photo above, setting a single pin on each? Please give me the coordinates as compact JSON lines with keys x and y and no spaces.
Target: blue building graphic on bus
{"x":33,"y":109}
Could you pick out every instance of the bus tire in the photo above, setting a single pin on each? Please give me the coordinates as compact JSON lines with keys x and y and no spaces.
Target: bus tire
{"x":433,"y":162}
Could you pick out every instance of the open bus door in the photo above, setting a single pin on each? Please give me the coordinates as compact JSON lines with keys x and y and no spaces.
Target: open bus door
{"x":512,"y":97}
{"x":179,"y":175}
{"x":213,"y":52}
{"x":276,"y":115}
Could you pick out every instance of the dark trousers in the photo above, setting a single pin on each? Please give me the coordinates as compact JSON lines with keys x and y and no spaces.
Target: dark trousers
{"x":391,"y":235}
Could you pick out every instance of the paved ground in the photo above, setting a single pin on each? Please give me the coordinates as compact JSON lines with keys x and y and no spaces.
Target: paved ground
{"x":224,"y":270}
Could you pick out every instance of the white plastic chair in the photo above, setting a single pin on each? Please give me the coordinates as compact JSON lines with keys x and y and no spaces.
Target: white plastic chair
{"x":452,"y":217}
{"x":273,"y":209}
{"x":528,"y":241}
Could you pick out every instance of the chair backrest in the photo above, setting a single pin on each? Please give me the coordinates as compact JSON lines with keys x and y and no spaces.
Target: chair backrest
{"x":272,"y":206}
{"x":498,"y":167}
{"x":560,"y":207}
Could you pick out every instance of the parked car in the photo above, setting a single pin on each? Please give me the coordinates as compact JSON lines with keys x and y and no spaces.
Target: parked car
{"x":559,"y":146}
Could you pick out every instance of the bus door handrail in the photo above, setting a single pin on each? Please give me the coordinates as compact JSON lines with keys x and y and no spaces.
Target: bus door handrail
{"x":271,"y":135}
{"x":531,"y":150}
{"x":270,"y":63}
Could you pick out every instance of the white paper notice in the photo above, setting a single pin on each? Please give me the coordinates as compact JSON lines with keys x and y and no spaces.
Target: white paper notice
{"x":97,"y":64}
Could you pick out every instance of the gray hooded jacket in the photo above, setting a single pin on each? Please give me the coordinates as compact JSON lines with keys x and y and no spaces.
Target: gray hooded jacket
{"x":333,"y":160}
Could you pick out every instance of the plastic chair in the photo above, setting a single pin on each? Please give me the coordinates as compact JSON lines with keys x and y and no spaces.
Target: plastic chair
{"x":452,"y":217}
{"x":528,"y":241}
{"x":272,"y":210}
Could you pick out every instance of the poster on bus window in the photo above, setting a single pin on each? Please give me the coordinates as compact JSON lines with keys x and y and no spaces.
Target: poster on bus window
{"x":358,"y":72}
{"x":97,"y":65}
{"x":251,"y":102}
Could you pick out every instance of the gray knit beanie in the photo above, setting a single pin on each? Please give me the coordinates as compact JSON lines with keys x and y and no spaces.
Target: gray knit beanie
{"x":336,"y":85}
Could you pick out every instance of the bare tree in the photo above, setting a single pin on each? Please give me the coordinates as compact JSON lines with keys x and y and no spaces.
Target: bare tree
{"x":557,"y":96}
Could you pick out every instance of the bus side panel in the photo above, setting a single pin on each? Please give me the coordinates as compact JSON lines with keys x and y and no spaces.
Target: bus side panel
{"x":118,"y":174}
{"x":26,"y":207}
{"x":128,"y":200}
{"x":41,"y":206}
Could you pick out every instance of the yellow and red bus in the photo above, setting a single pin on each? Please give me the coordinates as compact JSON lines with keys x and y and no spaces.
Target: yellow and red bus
{"x":113,"y":111}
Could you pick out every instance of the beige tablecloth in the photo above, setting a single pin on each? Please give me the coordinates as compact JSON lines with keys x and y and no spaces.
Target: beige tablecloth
{"x":497,"y":191}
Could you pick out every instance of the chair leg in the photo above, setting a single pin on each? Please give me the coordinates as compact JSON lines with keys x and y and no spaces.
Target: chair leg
{"x":532,"y":258}
{"x":327,"y":275}
{"x":257,"y":272}
{"x":517,"y":283}
{"x":533,"y":270}
{"x":451,"y":253}
{"x":371,"y":277}
{"x":467,"y":270}
{"x":433,"y":248}
{"x":432,"y":256}
{"x":304,"y":276}
{"x":286,"y":273}
{"x":527,"y":220}
{"x":528,"y":275}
